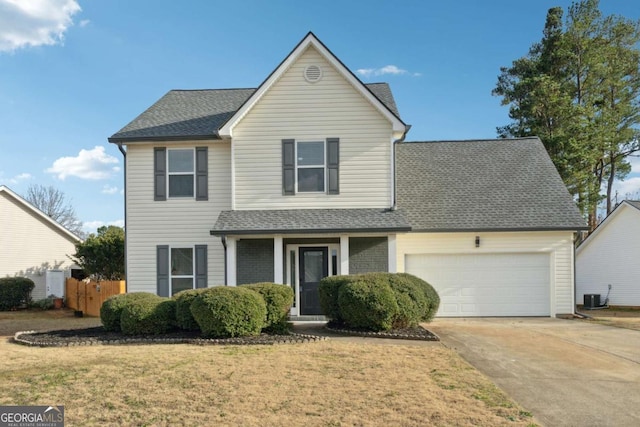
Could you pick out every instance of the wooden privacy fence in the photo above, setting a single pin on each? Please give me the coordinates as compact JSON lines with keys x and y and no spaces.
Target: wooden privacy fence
{"x":89,"y":296}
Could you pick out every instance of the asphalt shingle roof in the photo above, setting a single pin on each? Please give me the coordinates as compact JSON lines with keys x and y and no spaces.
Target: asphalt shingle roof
{"x":502,"y":184}
{"x":200,"y":113}
{"x":289,"y":221}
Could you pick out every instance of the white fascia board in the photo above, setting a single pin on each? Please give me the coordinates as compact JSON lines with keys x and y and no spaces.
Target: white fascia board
{"x":399,"y":128}
{"x":40,"y":214}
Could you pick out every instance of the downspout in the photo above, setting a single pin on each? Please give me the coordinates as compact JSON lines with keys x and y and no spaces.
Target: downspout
{"x":126,"y":259}
{"x":223,"y":240}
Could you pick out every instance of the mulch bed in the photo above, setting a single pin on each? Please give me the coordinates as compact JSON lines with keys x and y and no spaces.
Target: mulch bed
{"x":98,"y":336}
{"x":416,"y":333}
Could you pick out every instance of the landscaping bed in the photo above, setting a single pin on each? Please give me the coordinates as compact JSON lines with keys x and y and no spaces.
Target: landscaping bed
{"x":98,"y":336}
{"x":417,"y":333}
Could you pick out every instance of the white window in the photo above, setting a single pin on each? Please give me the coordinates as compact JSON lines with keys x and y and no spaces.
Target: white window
{"x":310,"y":166}
{"x":182,"y":268}
{"x":180,"y":167}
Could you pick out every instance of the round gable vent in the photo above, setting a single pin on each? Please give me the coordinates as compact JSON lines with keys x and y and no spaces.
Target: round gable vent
{"x":312,"y":73}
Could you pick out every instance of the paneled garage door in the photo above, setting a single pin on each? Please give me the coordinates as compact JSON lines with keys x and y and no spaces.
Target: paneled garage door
{"x":487,"y":284}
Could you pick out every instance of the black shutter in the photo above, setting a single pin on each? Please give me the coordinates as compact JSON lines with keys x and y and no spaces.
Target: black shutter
{"x":333,"y":163}
{"x":288,"y":167}
{"x":201,"y":266}
{"x":160,"y":173}
{"x":162,"y":270}
{"x":202,"y":188}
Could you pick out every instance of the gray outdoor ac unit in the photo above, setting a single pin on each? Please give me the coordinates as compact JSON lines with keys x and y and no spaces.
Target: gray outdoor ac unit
{"x":591,"y":300}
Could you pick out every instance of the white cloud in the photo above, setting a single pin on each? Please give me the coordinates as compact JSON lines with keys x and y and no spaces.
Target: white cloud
{"x":25,"y":23}
{"x":88,"y":164}
{"x":107,"y":189}
{"x":387,"y":69}
{"x":629,"y":188}
{"x":20,"y":177}
{"x":84,"y":23}
{"x":635,"y":163}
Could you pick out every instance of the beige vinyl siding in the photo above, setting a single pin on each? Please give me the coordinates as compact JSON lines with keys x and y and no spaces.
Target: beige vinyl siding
{"x":174,"y":222}
{"x":30,"y":245}
{"x":612,"y":256}
{"x":296,"y":109}
{"x":558,"y":244}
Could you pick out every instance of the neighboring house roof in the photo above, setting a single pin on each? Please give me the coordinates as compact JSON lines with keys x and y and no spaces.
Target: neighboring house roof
{"x":482,"y":185}
{"x":199,"y":114}
{"x":39,"y":214}
{"x":634,"y":205}
{"x":289,"y":221}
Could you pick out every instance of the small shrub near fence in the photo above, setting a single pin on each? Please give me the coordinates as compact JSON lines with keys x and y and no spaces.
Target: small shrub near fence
{"x":15,"y":292}
{"x":153,"y":315}
{"x":111,"y":309}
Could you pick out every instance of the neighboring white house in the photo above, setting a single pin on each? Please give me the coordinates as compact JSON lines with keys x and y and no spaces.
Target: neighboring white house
{"x":308,"y":176}
{"x":32,"y":244}
{"x":611,"y":256}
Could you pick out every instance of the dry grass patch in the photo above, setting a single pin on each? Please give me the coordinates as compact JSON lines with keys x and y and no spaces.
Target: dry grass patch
{"x":621,"y":318}
{"x":318,"y":384}
{"x":38,"y":320}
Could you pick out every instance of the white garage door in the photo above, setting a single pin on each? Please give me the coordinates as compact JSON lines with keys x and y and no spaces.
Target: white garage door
{"x":487,"y":284}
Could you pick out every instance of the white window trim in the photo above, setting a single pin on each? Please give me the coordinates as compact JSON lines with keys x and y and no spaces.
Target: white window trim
{"x":182,"y":276}
{"x":192,"y":173}
{"x":323,"y":166}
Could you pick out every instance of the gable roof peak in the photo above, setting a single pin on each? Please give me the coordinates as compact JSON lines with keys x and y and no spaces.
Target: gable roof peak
{"x":399,"y":127}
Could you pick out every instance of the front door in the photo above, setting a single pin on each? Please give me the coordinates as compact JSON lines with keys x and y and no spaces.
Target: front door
{"x":314,"y":266}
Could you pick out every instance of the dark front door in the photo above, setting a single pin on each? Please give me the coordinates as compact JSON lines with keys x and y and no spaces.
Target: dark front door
{"x":314,"y":266}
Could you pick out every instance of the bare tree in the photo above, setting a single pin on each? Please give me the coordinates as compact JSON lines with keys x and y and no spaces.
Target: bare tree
{"x":53,"y":203}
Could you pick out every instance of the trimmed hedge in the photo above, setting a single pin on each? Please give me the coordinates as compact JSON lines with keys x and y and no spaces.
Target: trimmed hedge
{"x":328,"y":290}
{"x":368,"y":303}
{"x":15,"y":292}
{"x":184,"y":318}
{"x":279,"y":299}
{"x":229,"y":311}
{"x":154,"y":315}
{"x":432,"y":297}
{"x":111,"y":309}
{"x":415,"y":300}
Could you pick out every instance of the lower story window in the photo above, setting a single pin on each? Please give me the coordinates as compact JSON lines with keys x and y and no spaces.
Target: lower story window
{"x":181,"y":269}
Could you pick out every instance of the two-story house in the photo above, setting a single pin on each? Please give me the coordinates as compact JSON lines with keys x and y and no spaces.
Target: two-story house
{"x":308,"y":176}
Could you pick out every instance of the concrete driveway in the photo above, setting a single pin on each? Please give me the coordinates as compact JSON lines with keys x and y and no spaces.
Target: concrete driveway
{"x":566,"y":372}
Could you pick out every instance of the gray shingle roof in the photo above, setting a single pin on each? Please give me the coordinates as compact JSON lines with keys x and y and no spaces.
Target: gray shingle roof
{"x":503,"y":184}
{"x":289,"y":221}
{"x":192,"y":114}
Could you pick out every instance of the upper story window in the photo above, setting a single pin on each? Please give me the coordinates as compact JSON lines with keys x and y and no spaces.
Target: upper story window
{"x":310,"y":165}
{"x":180,"y":173}
{"x":180,"y":167}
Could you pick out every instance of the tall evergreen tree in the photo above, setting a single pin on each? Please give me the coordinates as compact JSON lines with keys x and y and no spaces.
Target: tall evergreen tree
{"x":578,"y":89}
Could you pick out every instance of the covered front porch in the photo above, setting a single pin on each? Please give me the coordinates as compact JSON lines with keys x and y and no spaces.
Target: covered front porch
{"x":315,"y":246}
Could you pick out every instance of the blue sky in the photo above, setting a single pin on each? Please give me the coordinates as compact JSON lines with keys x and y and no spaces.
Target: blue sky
{"x":73,"y":72}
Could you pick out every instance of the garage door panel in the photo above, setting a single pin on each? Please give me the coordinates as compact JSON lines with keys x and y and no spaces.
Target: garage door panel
{"x":515,"y":284}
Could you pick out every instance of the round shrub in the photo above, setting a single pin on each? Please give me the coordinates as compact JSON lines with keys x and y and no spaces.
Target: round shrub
{"x":15,"y":292}
{"x":329,"y":289}
{"x":184,"y":318}
{"x":143,"y":316}
{"x":368,"y":304}
{"x":229,"y":311}
{"x":432,"y":297}
{"x":411,"y":300}
{"x":111,"y":309}
{"x":279,"y":299}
